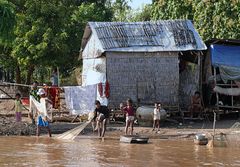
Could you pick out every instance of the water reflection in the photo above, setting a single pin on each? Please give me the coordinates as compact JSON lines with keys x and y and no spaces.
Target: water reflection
{"x":30,"y":151}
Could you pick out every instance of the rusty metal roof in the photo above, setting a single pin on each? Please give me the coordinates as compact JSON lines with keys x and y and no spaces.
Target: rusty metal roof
{"x":167,"y":35}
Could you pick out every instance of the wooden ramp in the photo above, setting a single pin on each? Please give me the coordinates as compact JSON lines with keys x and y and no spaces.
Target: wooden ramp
{"x":71,"y":134}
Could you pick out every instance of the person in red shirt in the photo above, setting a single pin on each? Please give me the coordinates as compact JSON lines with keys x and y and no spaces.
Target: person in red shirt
{"x":130,"y":112}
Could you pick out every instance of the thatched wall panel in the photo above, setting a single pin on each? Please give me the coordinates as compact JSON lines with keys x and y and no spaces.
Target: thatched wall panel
{"x":148,"y":76}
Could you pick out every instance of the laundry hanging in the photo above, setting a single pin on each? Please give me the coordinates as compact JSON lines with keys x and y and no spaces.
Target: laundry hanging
{"x":229,"y":73}
{"x":107,"y":89}
{"x":227,"y":91}
{"x":80,"y":99}
{"x":100,"y":89}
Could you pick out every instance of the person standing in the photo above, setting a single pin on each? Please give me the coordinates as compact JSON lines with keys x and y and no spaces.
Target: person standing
{"x":54,"y":90}
{"x":130,"y":112}
{"x":54,"y":78}
{"x":33,"y":94}
{"x":18,"y":107}
{"x":101,"y":116}
{"x":42,"y":119}
{"x":156,"y":116}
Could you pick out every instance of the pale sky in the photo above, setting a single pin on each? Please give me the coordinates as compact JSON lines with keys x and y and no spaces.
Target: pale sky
{"x":138,"y":3}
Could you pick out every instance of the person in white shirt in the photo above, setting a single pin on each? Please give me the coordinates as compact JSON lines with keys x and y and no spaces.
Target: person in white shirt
{"x":43,"y":106}
{"x":156,"y":116}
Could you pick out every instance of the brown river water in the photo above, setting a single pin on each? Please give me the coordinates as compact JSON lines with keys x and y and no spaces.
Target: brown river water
{"x":30,"y":151}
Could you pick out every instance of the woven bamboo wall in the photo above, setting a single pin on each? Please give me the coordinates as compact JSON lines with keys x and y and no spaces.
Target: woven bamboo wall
{"x":189,"y":83}
{"x":146,"y":76}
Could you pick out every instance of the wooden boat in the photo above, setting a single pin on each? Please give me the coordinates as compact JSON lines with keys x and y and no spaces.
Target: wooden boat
{"x":134,"y":139}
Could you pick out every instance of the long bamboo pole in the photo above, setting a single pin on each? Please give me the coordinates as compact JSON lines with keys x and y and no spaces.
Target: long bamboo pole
{"x":11,"y":97}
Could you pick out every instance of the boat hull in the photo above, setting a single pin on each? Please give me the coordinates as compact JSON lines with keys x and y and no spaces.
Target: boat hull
{"x":134,"y":139}
{"x":201,"y":141}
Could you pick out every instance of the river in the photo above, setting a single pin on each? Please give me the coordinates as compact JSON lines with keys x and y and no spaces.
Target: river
{"x":43,"y":151}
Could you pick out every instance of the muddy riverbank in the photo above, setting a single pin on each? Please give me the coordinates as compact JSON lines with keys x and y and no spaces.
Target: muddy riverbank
{"x":169,"y":130}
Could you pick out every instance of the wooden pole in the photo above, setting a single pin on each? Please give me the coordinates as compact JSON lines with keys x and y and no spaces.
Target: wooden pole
{"x":232,"y":95}
{"x":214,"y":126}
{"x":15,"y":84}
{"x":200,"y":72}
{"x":215,"y":80}
{"x":58,"y":76}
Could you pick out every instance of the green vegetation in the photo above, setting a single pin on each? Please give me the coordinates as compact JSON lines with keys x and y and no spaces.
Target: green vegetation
{"x":7,"y":20}
{"x":38,"y":35}
{"x":47,"y":34}
{"x":212,"y":18}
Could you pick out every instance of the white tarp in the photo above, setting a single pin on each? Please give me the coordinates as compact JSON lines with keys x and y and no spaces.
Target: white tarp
{"x":94,"y":71}
{"x":80,"y":100}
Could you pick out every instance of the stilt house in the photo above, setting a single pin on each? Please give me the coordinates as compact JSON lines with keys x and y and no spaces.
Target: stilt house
{"x":142,"y":60}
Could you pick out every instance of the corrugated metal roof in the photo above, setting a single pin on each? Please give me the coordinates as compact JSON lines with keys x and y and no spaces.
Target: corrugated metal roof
{"x":167,"y":35}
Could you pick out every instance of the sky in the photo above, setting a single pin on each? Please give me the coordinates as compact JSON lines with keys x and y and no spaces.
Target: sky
{"x":135,"y":4}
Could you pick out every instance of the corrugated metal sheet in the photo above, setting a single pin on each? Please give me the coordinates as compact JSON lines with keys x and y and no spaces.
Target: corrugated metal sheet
{"x":168,"y":35}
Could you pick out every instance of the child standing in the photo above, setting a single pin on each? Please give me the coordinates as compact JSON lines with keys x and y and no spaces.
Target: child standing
{"x":129,"y":110}
{"x":18,"y":107}
{"x":156,"y":116}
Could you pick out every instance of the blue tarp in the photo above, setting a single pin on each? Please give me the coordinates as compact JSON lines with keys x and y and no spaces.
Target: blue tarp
{"x":223,"y":55}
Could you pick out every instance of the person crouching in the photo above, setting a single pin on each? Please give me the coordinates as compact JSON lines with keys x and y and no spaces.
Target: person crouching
{"x":101,"y":116}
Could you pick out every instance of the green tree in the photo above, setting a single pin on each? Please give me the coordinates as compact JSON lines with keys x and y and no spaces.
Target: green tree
{"x":7,"y":20}
{"x":217,"y":19}
{"x":212,"y":18}
{"x":40,"y":35}
{"x":49,"y":33}
{"x":172,"y":9}
{"x":121,"y":10}
{"x":143,"y":15}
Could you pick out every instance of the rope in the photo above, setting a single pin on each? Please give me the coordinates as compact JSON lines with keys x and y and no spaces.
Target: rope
{"x":24,"y":85}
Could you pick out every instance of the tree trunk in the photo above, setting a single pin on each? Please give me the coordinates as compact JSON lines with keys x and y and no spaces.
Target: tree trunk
{"x":29,"y":74}
{"x":18,"y":75}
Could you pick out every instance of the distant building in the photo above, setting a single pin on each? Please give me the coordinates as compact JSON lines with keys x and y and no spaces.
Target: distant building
{"x":142,"y":60}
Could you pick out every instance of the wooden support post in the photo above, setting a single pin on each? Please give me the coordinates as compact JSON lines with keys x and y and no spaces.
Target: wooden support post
{"x":214,"y":126}
{"x":58,"y":75}
{"x":232,"y":96}
{"x":217,"y":95}
{"x":200,"y":72}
